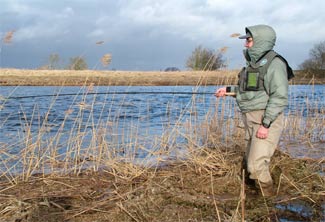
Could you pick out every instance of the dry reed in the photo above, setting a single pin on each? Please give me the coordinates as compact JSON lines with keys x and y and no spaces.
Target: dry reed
{"x":235,"y":35}
{"x":106,"y":59}
{"x":7,"y":39}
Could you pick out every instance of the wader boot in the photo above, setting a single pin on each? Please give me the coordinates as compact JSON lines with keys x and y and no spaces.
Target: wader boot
{"x":250,"y":185}
{"x":248,"y":181}
{"x":267,"y":189}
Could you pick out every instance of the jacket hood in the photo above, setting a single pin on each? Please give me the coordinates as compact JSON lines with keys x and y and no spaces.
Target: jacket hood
{"x":264,"y":38}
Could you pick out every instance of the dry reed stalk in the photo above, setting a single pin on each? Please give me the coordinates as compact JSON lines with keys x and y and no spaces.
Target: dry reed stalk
{"x":223,"y":50}
{"x":234,"y":217}
{"x":27,"y":152}
{"x":206,"y":161}
{"x":214,"y":199}
{"x":6,"y":169}
{"x":296,"y":187}
{"x":235,"y":35}
{"x":125,"y":171}
{"x":120,"y":205}
{"x":52,"y":181}
{"x":90,"y":88}
{"x":243,"y":197}
{"x":91,"y":208}
{"x":106,"y":59}
{"x":7,"y":39}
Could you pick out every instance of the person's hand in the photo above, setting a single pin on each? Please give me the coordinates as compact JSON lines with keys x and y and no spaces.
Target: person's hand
{"x":262,"y":132}
{"x":220,"y":92}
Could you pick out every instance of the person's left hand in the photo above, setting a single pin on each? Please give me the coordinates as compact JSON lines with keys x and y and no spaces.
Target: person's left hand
{"x":262,"y":132}
{"x":220,"y":92}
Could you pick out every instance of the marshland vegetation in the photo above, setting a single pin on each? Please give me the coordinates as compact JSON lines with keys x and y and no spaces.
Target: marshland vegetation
{"x":190,"y":171}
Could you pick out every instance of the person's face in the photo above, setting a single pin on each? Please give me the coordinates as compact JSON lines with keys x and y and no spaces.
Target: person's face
{"x":249,"y":42}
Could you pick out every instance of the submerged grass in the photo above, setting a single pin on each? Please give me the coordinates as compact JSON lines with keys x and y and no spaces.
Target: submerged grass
{"x":105,"y":179}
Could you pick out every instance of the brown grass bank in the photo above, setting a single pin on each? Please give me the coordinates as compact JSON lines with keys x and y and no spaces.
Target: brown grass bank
{"x":129,"y":78}
{"x":14,"y":77}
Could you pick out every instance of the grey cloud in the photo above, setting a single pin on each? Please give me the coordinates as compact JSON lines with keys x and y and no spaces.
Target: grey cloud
{"x":141,"y":30}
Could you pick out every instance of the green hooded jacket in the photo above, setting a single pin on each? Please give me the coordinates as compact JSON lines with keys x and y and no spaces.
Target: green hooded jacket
{"x":274,"y":98}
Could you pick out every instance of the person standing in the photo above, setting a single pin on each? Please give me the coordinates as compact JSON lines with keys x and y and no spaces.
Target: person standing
{"x":262,"y":96}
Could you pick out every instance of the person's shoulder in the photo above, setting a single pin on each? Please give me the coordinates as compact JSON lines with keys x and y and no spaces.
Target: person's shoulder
{"x":277,"y":66}
{"x":278,"y":62}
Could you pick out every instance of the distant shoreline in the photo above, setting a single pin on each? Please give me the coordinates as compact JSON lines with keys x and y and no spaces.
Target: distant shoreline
{"x":26,"y":77}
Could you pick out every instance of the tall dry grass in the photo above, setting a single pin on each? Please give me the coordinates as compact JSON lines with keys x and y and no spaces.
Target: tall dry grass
{"x":42,"y":155}
{"x":105,"y":142}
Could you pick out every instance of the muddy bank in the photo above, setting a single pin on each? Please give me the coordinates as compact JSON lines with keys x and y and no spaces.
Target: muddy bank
{"x":207,"y":187}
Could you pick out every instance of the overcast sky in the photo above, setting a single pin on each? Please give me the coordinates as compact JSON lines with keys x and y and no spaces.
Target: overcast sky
{"x":152,"y":34}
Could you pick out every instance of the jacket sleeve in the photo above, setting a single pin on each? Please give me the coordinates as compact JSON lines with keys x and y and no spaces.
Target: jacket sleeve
{"x":276,"y":85}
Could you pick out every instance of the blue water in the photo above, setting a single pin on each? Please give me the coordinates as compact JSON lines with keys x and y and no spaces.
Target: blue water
{"x":63,"y":113}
